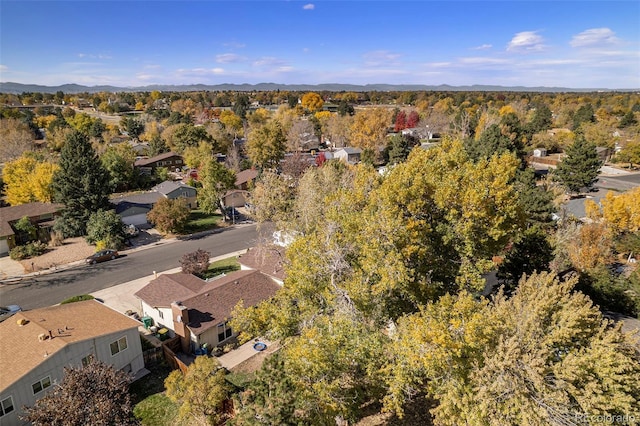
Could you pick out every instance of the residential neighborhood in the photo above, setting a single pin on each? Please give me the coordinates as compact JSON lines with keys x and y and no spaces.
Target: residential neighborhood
{"x":317,"y":262}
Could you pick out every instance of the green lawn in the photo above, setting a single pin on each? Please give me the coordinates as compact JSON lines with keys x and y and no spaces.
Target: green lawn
{"x":151,"y":405}
{"x":157,"y":410}
{"x":200,"y":221}
{"x":223,"y":266}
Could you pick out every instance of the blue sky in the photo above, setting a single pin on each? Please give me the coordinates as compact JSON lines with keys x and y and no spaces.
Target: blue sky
{"x":576,"y":44}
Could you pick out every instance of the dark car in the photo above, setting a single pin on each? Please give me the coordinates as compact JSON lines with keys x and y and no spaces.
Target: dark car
{"x":8,"y":311}
{"x":102,"y":256}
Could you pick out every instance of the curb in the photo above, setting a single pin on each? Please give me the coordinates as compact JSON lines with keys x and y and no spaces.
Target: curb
{"x":60,"y":268}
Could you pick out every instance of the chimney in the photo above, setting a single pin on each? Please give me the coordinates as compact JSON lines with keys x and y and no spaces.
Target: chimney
{"x":180,"y":314}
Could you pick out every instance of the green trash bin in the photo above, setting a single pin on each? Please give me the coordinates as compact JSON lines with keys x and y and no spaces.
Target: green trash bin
{"x":147,"y":321}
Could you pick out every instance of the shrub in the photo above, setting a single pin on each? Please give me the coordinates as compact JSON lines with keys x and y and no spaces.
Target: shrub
{"x":27,"y":251}
{"x":77,"y":299}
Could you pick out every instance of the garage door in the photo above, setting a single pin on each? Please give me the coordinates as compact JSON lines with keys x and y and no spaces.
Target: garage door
{"x":4,"y":246}
{"x":136,"y":219}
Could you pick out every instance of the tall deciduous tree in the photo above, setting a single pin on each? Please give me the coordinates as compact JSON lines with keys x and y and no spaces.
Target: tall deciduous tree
{"x":266,"y":145}
{"x":201,"y":391}
{"x":81,"y":184}
{"x":312,"y":101}
{"x":96,"y":394}
{"x":369,"y":129}
{"x":580,"y":167}
{"x":16,"y":138}
{"x":544,"y":356}
{"x":169,"y":215}
{"x":118,"y":161}
{"x":28,"y":180}
{"x":216,"y":180}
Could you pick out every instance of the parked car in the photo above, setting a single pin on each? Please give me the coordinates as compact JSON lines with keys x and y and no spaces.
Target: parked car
{"x":7,"y":311}
{"x":131,"y":231}
{"x":102,"y":256}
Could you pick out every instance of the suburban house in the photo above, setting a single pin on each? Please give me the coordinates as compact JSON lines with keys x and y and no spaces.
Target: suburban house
{"x":235,"y":198}
{"x":268,"y":259}
{"x":133,"y":208}
{"x":170,"y":160}
{"x":348,"y":155}
{"x":41,"y":215}
{"x":172,"y":190}
{"x":246,"y":178}
{"x":197,"y":310}
{"x":36,"y":345}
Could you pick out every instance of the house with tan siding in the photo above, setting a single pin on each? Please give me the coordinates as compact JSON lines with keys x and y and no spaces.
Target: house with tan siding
{"x":36,"y":346}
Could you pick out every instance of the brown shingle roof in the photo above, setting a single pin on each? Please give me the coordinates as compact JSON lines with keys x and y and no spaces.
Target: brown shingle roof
{"x":245,"y":176}
{"x":168,"y":288}
{"x":9,"y":214}
{"x":211,"y":302}
{"x":214,"y":306}
{"x":269,"y":260}
{"x":21,"y":350}
{"x":146,"y":161}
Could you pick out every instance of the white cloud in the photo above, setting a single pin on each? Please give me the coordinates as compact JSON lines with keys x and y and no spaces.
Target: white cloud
{"x":379,"y":58}
{"x":479,"y":60}
{"x":526,"y":41}
{"x":309,"y":6}
{"x":483,"y":47}
{"x":3,"y":68}
{"x":94,"y":56}
{"x":594,"y":37}
{"x":234,"y":45}
{"x":226,"y":58}
{"x":269,"y":61}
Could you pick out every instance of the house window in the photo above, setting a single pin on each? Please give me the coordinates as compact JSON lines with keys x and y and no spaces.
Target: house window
{"x":41,"y":385}
{"x":160,"y":314}
{"x":87,"y":360}
{"x":119,"y":345}
{"x":224,"y":331}
{"x":6,"y":406}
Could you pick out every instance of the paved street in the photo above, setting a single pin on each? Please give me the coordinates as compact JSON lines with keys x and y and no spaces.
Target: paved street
{"x":47,"y":290}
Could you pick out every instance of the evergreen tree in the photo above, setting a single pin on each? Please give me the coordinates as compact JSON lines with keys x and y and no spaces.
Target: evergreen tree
{"x":81,"y":184}
{"x":580,"y":167}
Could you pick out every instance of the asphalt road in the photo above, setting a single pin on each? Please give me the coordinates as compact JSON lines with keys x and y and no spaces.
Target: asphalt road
{"x":51,"y":289}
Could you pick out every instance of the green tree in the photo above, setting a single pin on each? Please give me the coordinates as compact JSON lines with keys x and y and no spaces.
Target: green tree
{"x":399,"y":148}
{"x":580,"y":167}
{"x":201,"y":391}
{"x":118,"y":161}
{"x":629,"y":154}
{"x":81,"y":184}
{"x":216,"y":180}
{"x":25,"y":226}
{"x":132,"y":126}
{"x":270,"y":399}
{"x":105,"y":226}
{"x":157,"y":146}
{"x":169,"y":215}
{"x":536,"y":200}
{"x":542,"y":119}
{"x":532,"y":253}
{"x":186,"y":135}
{"x":544,"y":356}
{"x":266,"y":145}
{"x":584,"y":114}
{"x":629,"y":119}
{"x":96,"y":394}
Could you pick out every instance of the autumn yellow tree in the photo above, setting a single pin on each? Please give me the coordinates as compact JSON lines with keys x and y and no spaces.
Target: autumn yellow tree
{"x":545,"y":356}
{"x":369,"y":129}
{"x":312,"y":101}
{"x":28,"y":180}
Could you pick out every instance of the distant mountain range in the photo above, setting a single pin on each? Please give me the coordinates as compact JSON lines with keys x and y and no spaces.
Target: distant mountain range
{"x":17,"y":88}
